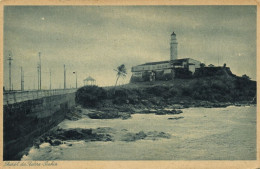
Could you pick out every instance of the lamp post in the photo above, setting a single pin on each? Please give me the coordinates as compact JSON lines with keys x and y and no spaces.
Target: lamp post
{"x":22,"y":79}
{"x":50,"y":79}
{"x":10,"y":70}
{"x":76,"y":79}
{"x":64,"y":76}
{"x":40,"y":72}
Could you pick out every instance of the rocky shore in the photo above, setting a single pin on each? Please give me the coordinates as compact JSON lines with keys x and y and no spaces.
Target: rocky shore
{"x":58,"y":136}
{"x":109,"y":110}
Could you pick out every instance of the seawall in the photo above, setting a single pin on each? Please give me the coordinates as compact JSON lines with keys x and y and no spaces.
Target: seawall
{"x":26,"y":120}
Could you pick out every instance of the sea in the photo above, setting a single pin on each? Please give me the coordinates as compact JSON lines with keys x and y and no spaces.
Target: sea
{"x":199,"y":134}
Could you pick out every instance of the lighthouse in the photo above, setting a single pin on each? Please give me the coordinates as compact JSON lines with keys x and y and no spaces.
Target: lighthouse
{"x":173,"y":47}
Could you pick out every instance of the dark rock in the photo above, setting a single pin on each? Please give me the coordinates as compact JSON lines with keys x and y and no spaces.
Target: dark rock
{"x":76,"y":134}
{"x":134,"y":136}
{"x":125,"y":116}
{"x":164,"y":112}
{"x":37,"y":144}
{"x":163,"y":135}
{"x":55,"y":142}
{"x":142,"y":135}
{"x":104,"y":130}
{"x":108,"y":139}
{"x":109,"y":115}
{"x":160,"y":112}
{"x":74,"y":114}
{"x":175,"y":118}
{"x":186,"y":106}
{"x":148,"y":111}
{"x":179,"y":111}
{"x":155,"y":134}
{"x":177,"y":106}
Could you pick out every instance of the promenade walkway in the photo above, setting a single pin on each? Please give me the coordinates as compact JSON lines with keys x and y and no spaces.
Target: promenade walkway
{"x":11,"y":97}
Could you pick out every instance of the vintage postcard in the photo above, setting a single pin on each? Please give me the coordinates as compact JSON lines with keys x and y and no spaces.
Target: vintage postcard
{"x":128,"y":84}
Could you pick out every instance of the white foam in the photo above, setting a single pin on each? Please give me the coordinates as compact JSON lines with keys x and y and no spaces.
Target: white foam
{"x":43,"y":145}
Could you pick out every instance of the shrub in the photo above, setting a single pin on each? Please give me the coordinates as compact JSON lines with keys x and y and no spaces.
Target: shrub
{"x":173,"y":91}
{"x":89,"y":96}
{"x":186,"y":91}
{"x":121,"y":93}
{"x":121,"y":96}
{"x":219,"y":85}
{"x":157,"y":90}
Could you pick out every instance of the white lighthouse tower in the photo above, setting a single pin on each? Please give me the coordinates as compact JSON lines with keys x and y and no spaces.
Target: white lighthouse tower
{"x":173,"y":46}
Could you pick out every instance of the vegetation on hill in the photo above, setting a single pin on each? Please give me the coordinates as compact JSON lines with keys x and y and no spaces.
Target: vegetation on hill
{"x":90,"y":96}
{"x":212,"y":89}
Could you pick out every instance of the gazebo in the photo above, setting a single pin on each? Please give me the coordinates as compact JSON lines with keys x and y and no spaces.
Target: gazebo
{"x":89,"y":81}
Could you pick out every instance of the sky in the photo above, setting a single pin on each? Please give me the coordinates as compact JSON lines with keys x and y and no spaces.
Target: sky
{"x":95,"y":40}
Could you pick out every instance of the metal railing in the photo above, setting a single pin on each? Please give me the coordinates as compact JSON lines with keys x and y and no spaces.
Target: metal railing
{"x":11,"y":97}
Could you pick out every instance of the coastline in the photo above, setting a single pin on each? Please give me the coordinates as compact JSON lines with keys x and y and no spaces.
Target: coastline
{"x":103,"y":131}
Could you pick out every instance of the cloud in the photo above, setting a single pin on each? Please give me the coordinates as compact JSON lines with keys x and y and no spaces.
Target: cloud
{"x":93,"y":40}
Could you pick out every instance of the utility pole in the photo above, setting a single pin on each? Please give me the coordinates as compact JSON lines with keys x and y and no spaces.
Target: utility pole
{"x":50,"y":79}
{"x":34,"y":82}
{"x":38,"y":75}
{"x":10,"y":70}
{"x":40,"y":71}
{"x":76,"y":79}
{"x":22,"y":79}
{"x":64,"y":76}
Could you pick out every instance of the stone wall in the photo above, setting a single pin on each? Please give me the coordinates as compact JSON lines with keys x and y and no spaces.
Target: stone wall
{"x":212,"y":71}
{"x":27,"y":120}
{"x":160,"y":75}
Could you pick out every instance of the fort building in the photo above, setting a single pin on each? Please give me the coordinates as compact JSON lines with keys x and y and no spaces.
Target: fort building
{"x":166,"y":70}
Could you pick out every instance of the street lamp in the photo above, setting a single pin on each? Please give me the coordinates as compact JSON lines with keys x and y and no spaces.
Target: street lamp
{"x":76,"y":79}
{"x":10,"y":70}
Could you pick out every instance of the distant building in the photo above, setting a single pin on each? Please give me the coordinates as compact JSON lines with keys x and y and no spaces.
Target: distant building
{"x":173,"y":47}
{"x":89,"y":81}
{"x":166,"y":70}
